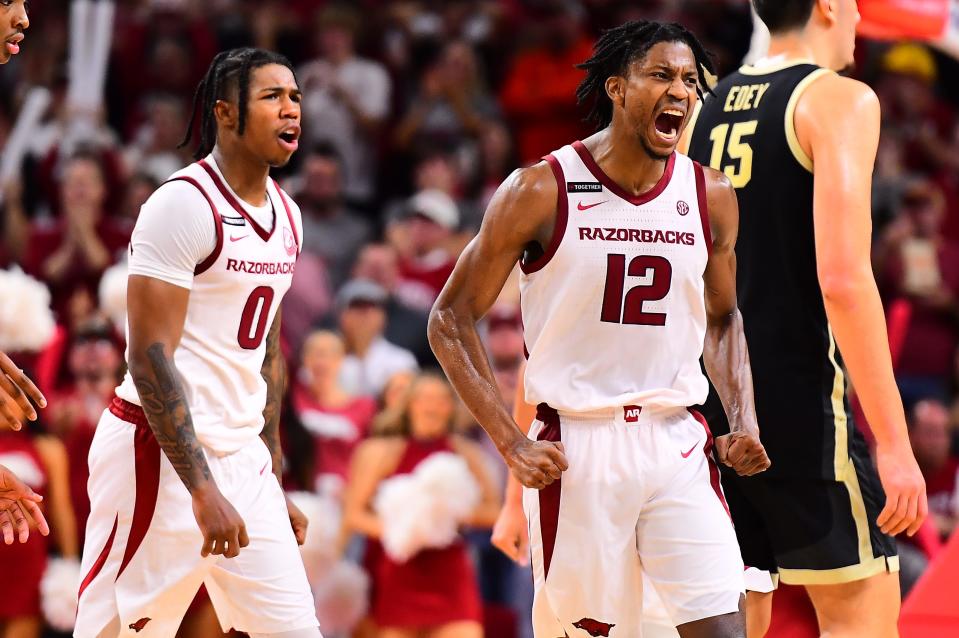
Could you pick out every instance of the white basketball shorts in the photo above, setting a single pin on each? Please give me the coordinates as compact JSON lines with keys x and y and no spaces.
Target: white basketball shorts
{"x":641,"y":495}
{"x":141,"y":563}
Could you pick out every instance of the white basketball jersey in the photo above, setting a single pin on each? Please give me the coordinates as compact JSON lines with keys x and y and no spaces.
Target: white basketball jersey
{"x":614,"y":312}
{"x":235,"y":296}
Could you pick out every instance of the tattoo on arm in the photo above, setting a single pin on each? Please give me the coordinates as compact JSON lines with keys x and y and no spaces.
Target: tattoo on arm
{"x":274,"y":373}
{"x":168,"y":414}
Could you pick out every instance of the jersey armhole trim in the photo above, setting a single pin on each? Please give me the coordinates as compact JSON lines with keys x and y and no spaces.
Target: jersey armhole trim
{"x":204,"y":265}
{"x":703,"y":206}
{"x":562,"y":216}
{"x":289,"y":215}
{"x":791,"y":137}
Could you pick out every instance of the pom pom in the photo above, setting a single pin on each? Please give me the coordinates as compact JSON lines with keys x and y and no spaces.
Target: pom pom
{"x":113,"y":295}
{"x":58,"y":593}
{"x":26,"y":320}
{"x":341,"y":598}
{"x":425,"y":509}
{"x":325,"y":516}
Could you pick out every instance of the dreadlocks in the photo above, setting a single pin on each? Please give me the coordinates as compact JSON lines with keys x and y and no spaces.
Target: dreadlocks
{"x":230,"y":71}
{"x":617,"y":48}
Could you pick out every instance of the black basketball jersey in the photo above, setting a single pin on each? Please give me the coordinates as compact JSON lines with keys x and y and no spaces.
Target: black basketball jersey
{"x":746,"y":130}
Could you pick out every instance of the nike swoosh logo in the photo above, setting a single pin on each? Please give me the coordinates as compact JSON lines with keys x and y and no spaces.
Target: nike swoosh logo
{"x":686,"y":454}
{"x":232,"y":238}
{"x":580,"y":205}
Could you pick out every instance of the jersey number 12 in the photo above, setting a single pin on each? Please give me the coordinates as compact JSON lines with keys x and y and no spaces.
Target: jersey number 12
{"x":616,"y":309}
{"x":736,"y":149}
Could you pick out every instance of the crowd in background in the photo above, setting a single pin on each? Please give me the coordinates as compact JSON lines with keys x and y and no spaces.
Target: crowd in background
{"x":413,"y":113}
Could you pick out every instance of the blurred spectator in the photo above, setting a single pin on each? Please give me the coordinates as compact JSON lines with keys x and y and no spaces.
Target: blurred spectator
{"x":405,"y":326}
{"x":40,"y":461}
{"x":370,"y":359}
{"x":917,"y":263}
{"x":911,"y":108}
{"x":345,"y":98}
{"x":539,"y":94}
{"x":71,"y":253}
{"x":308,"y":300}
{"x":423,"y":239}
{"x":337,"y":420}
{"x":435,"y":588}
{"x":451,"y":102}
{"x":154,"y":149}
{"x":331,"y":230}
{"x":139,"y":188}
{"x":504,"y":344}
{"x":929,"y":434}
{"x":395,"y":391}
{"x":96,"y":368}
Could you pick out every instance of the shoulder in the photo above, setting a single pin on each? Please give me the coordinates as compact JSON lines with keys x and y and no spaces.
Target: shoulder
{"x":531,"y":188}
{"x":174,"y":196}
{"x":722,"y":207}
{"x":718,"y":187}
{"x":832,"y":98}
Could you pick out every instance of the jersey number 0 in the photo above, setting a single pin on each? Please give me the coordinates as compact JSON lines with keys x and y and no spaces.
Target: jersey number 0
{"x":253,"y":320}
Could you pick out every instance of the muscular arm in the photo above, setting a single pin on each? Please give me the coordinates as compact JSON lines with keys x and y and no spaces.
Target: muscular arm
{"x":521,"y":212}
{"x":725,"y":353}
{"x":157,"y":311}
{"x":837,"y":123}
{"x":273,"y":371}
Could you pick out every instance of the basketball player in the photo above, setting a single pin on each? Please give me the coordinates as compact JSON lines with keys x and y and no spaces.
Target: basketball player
{"x":13,"y":21}
{"x":184,"y":466}
{"x":628,"y":268}
{"x":798,"y":142}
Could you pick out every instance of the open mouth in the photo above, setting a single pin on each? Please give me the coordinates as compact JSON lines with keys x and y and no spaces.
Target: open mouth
{"x":290,"y":138}
{"x":13,"y":44}
{"x":669,"y":122}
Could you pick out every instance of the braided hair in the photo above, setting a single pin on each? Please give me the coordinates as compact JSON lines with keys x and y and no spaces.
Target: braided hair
{"x":618,"y":47}
{"x":229,"y":71}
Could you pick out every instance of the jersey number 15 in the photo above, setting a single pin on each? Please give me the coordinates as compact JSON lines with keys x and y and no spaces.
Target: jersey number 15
{"x":736,"y":149}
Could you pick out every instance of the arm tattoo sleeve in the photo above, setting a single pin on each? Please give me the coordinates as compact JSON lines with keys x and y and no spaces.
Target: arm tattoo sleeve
{"x":274,"y":373}
{"x":168,"y":414}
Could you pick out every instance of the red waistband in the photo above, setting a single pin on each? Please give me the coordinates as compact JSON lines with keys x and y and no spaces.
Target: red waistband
{"x":547,"y":413}
{"x":129,"y":412}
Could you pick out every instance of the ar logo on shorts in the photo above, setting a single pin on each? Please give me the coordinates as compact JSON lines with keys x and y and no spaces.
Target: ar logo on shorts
{"x":631,"y":413}
{"x":593,"y":627}
{"x":140,"y":624}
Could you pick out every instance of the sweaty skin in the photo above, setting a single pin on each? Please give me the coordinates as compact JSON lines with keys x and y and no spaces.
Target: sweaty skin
{"x":521,"y":216}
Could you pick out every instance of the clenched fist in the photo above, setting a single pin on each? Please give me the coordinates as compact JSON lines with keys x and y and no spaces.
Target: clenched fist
{"x":743,"y":452}
{"x":537,"y":464}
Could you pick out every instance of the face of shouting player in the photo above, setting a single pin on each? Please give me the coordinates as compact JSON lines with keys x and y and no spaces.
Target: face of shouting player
{"x":272,"y":130}
{"x":657,"y":96}
{"x":13,"y":21}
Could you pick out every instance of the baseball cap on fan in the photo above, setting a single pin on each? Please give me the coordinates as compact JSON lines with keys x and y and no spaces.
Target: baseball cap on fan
{"x":436,"y":206}
{"x":361,"y":293}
